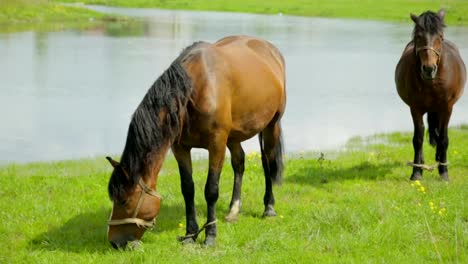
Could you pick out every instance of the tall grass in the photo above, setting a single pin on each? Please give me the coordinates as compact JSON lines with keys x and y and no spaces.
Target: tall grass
{"x":351,"y":206}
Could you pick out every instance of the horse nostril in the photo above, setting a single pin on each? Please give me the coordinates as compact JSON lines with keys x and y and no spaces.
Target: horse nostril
{"x":428,"y":69}
{"x":114,"y":245}
{"x":118,"y":245}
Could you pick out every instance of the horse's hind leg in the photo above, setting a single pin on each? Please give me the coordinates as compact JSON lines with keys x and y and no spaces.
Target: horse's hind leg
{"x":442,"y":145}
{"x":272,"y":161}
{"x":217,"y":151}
{"x":184,"y":162}
{"x":237,"y":162}
{"x":418,"y":138}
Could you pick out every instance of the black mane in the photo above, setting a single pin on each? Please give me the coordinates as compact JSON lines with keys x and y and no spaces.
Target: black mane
{"x":147,"y":132}
{"x":429,"y":22}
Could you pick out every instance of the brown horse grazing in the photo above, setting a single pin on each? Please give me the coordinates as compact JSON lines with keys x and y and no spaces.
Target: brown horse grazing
{"x":430,"y":78}
{"x":212,"y":96}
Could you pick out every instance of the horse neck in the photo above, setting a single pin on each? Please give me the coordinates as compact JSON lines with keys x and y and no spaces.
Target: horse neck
{"x":146,"y":165}
{"x":154,"y":167}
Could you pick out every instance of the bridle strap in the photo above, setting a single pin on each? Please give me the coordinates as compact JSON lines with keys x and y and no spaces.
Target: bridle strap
{"x":140,"y":201}
{"x":431,"y":49}
{"x":427,"y":48}
{"x":139,"y":222}
{"x":145,"y":189}
{"x":148,"y":190}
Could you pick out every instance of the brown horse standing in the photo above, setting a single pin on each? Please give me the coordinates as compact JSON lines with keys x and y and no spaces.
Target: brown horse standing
{"x":212,"y":96}
{"x":430,"y":78}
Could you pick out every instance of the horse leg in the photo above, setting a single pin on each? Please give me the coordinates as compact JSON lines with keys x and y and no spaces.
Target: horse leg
{"x":237,"y":162}
{"x":418,"y":138}
{"x":217,"y":151}
{"x":270,"y":144}
{"x":442,"y":145}
{"x":184,"y":161}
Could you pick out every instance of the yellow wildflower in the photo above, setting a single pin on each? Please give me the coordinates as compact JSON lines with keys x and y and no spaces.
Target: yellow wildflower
{"x":417,"y":183}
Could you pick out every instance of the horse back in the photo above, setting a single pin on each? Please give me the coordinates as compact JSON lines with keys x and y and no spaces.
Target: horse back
{"x":239,"y":85}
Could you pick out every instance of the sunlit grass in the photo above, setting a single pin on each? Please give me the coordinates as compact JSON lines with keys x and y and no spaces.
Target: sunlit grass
{"x":351,"y":206}
{"x":45,"y":15}
{"x":390,"y":10}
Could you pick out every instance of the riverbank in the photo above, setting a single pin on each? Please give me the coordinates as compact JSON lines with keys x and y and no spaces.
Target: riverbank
{"x":387,"y":10}
{"x":41,"y":15}
{"x":351,"y":206}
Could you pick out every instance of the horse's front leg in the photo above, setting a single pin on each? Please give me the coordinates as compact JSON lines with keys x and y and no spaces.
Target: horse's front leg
{"x":184,"y":161}
{"x":237,"y":161}
{"x":217,"y":151}
{"x":418,"y":139}
{"x":442,"y":145}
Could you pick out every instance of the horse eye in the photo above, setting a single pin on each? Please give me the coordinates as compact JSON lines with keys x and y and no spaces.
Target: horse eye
{"x":123,"y":203}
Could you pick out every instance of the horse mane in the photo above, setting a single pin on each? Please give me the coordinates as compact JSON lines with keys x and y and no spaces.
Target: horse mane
{"x":429,"y":22}
{"x":148,"y":130}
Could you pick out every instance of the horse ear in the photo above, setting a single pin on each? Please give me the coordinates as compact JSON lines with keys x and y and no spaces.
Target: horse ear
{"x":441,"y":13}
{"x":414,"y":18}
{"x":112,"y":162}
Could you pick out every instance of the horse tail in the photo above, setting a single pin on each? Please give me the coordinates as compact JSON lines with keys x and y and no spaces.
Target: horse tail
{"x":433,"y":123}
{"x":273,"y":168}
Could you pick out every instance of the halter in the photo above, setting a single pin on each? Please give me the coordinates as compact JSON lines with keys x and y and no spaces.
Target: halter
{"x":145,"y":189}
{"x":431,"y":49}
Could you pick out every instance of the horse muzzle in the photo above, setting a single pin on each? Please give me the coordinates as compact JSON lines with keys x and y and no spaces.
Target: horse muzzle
{"x":124,"y":244}
{"x":428,"y":73}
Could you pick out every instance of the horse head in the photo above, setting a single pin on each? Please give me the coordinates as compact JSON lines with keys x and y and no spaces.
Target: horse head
{"x":135,"y":206}
{"x":428,"y":38}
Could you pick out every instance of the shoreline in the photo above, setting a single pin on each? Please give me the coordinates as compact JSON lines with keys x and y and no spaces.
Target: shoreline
{"x":355,"y":143}
{"x":32,"y":15}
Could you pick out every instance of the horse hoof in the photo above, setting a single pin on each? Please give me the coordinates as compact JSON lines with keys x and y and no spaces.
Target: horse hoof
{"x":187,"y":241}
{"x":416,"y":177}
{"x":444,"y":176}
{"x":269,"y":212}
{"x":231,"y":217}
{"x":210,"y":241}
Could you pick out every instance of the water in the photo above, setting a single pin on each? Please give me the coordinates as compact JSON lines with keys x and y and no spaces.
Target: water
{"x":70,"y":94}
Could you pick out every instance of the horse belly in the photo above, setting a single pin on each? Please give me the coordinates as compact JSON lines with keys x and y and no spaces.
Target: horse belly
{"x":255,"y":102}
{"x":249,"y":127}
{"x":251,"y":115}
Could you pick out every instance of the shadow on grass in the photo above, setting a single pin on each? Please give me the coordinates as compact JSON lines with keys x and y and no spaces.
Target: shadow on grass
{"x":320,"y":175}
{"x":87,"y":232}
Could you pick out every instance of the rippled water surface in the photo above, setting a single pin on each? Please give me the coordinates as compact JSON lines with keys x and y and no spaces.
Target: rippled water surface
{"x":70,"y":94}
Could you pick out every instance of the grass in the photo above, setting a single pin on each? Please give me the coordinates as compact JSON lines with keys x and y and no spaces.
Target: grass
{"x":351,"y":206}
{"x":388,"y":10}
{"x":47,"y":15}
{"x":42,"y":15}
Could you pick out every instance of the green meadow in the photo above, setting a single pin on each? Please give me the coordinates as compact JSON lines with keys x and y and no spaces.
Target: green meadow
{"x":43,"y":15}
{"x":355,"y":205}
{"x":388,"y":10}
{"x":49,"y":15}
